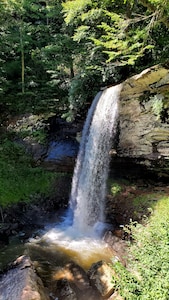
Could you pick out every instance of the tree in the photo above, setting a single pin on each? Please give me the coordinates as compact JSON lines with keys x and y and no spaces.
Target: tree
{"x":115,"y":38}
{"x":36,"y":54}
{"x":125,"y":30}
{"x":56,"y":54}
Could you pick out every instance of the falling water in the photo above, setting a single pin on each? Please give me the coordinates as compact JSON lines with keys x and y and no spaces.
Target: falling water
{"x":91,"y":171}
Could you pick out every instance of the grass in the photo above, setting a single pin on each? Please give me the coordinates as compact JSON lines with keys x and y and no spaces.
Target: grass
{"x":18,"y":178}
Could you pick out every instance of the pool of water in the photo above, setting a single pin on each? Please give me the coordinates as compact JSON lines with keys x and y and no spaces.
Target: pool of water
{"x":60,"y":149}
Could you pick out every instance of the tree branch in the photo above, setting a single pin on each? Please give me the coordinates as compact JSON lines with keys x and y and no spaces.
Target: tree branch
{"x":163,"y":18}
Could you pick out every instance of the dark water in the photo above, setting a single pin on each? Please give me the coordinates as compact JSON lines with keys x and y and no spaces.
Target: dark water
{"x":60,"y":149}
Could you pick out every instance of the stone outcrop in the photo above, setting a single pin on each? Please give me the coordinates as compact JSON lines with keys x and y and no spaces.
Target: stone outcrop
{"x":144,"y":118}
{"x":22,"y":283}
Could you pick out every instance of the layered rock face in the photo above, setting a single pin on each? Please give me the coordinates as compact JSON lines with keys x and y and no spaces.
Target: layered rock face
{"x":144,"y":118}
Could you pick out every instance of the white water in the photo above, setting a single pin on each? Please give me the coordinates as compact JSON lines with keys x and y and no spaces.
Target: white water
{"x":91,"y":171}
{"x":80,"y":239}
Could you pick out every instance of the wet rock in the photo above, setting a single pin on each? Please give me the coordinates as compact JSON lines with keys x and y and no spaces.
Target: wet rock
{"x":25,"y":217}
{"x":65,"y":292}
{"x":100,"y":275}
{"x":36,"y":149}
{"x":61,"y":154}
{"x":21,"y":282}
{"x":66,"y":165}
{"x":78,"y":275}
{"x":72,"y":282}
{"x":119,"y":246}
{"x":61,"y":127}
{"x":81,"y":283}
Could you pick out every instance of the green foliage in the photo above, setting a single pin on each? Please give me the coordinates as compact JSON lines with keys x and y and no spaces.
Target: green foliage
{"x":147,"y":276}
{"x":122,"y":30}
{"x":157,"y":105}
{"x":144,"y":204}
{"x":83,"y":88}
{"x":45,"y":46}
{"x":29,"y":29}
{"x":115,"y":188}
{"x":123,"y":39}
{"x":73,"y":9}
{"x":19,"y":179}
{"x":39,"y":136}
{"x":127,"y":284}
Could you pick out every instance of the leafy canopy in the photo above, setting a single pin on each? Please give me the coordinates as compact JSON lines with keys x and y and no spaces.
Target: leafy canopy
{"x":123,"y":30}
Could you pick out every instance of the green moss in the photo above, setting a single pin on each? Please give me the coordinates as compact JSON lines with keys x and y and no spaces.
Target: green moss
{"x":157,"y":105}
{"x":115,"y":188}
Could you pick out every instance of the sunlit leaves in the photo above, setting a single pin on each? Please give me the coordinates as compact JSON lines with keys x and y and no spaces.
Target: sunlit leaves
{"x":81,"y":33}
{"x":92,"y":16}
{"x":113,"y":32}
{"x":72,"y":9}
{"x":121,"y":39}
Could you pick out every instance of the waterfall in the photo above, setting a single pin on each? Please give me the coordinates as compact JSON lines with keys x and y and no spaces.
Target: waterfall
{"x":79,"y":239}
{"x":91,"y":170}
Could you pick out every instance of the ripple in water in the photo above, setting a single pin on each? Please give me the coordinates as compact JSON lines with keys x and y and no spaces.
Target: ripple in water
{"x":62,"y":245}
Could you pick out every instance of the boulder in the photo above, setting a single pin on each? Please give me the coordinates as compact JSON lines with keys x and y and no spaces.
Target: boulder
{"x":21,"y":282}
{"x":100,"y":275}
{"x":117,"y":244}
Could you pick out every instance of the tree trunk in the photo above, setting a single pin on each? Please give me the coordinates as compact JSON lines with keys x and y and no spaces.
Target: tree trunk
{"x":22,"y":61}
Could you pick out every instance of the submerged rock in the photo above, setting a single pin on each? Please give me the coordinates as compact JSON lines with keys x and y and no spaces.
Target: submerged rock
{"x":65,"y":292}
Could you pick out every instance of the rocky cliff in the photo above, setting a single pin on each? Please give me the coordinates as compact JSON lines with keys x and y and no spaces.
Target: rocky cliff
{"x":144,"y":119}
